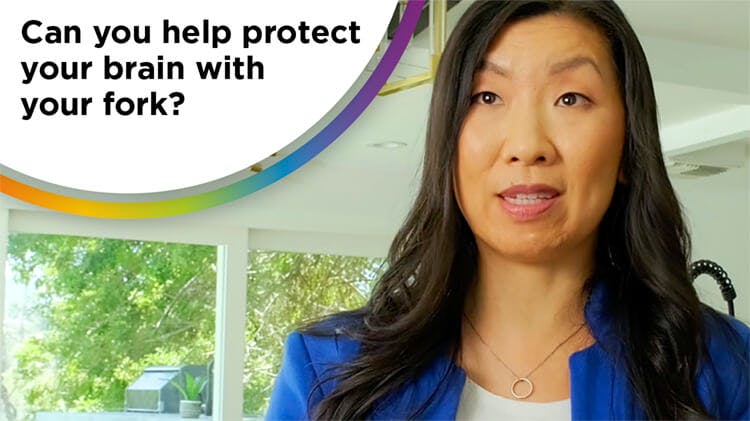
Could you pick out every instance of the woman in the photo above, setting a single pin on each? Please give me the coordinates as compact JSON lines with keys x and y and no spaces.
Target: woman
{"x":543,"y":270}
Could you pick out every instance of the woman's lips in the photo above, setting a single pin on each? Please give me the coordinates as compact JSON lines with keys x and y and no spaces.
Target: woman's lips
{"x":526,"y":209}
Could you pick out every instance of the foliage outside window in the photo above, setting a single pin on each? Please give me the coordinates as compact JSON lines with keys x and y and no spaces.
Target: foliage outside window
{"x":284,"y":291}
{"x":102,"y":311}
{"x":88,"y":315}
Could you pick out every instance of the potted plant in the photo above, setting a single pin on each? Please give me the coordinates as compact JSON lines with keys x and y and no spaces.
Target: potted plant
{"x":190,"y":390}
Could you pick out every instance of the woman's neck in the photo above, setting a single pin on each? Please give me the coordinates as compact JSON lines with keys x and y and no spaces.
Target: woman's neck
{"x":518,"y":316}
{"x":528,"y":300}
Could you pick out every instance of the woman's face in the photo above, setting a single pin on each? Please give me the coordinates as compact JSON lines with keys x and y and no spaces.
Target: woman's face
{"x":539,"y":150}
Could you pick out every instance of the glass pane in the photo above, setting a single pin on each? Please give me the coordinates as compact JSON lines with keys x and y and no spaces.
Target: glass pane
{"x":285,"y":290}
{"x":85,"y":318}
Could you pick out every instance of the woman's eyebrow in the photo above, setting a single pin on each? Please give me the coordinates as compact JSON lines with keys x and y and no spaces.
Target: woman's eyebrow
{"x":573,"y":63}
{"x":494,"y":68}
{"x":554,"y":69}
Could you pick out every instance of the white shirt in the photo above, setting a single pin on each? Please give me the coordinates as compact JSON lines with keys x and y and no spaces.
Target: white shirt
{"x":479,"y":404}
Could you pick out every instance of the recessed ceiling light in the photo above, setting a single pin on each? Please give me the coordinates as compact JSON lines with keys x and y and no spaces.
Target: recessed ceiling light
{"x":388,"y":145}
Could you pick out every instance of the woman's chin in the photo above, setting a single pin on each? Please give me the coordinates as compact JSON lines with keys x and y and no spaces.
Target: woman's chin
{"x":525,"y":251}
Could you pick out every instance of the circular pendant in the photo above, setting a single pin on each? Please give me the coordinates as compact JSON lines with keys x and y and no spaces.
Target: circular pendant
{"x":516,"y":383}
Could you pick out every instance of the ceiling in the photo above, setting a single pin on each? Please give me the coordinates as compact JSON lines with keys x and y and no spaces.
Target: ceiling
{"x":698,"y":52}
{"x":717,"y":22}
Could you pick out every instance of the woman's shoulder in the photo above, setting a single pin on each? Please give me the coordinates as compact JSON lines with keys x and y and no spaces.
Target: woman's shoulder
{"x":726,"y":334}
{"x":724,"y":381}
{"x":309,"y":356}
{"x":327,"y":341}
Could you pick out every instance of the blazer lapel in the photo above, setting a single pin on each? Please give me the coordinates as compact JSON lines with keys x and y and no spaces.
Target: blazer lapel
{"x":438,"y":388}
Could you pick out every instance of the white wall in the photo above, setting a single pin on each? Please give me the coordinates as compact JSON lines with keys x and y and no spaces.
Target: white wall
{"x":717,"y":208}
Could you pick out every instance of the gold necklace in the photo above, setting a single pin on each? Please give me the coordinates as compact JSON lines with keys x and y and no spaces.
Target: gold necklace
{"x":519,"y":379}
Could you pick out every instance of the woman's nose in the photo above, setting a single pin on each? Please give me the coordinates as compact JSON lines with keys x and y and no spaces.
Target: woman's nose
{"x":527,"y":141}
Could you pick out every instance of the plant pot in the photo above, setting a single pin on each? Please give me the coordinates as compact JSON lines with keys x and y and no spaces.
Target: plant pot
{"x":190,"y":409}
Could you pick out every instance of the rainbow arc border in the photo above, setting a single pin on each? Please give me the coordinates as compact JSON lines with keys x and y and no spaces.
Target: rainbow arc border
{"x":246,"y":186}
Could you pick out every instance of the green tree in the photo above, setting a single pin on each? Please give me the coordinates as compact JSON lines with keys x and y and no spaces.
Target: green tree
{"x":109,"y":309}
{"x":286,"y":290}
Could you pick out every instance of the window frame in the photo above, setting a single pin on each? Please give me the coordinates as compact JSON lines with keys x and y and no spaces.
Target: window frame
{"x":233,"y":244}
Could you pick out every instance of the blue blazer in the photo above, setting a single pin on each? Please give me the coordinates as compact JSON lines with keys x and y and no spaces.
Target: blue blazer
{"x":599,"y":388}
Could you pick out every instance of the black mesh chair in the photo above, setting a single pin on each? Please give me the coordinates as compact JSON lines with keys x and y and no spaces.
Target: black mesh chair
{"x":707,"y":267}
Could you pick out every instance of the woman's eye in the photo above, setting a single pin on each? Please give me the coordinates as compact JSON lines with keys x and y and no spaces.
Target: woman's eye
{"x":571,"y":98}
{"x":487,"y":98}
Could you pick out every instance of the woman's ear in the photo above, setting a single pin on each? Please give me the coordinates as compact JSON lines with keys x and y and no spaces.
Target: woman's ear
{"x":456,"y":195}
{"x":621,"y":176}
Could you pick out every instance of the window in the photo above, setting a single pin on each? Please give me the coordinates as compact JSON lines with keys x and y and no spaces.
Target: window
{"x":284,"y":291}
{"x":85,"y":316}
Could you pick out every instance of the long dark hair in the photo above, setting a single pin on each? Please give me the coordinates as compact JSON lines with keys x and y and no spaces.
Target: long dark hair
{"x":414,"y":313}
